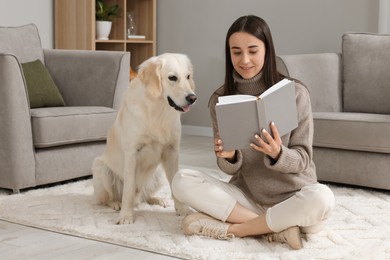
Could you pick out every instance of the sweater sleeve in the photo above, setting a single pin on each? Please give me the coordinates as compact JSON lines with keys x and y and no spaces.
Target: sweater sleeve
{"x":228,"y":167}
{"x":296,"y":151}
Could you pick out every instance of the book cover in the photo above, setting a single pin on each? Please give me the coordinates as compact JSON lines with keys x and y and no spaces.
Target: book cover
{"x":240,"y":117}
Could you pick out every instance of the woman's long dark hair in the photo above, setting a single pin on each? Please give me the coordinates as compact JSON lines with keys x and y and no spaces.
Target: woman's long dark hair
{"x":257,"y":27}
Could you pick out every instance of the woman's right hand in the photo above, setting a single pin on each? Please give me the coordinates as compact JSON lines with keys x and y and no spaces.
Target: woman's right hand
{"x":218,"y":148}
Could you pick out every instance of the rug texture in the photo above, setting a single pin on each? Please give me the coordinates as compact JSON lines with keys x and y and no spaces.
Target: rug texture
{"x":358,"y":229}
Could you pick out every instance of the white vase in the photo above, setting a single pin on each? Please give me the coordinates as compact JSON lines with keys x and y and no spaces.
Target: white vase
{"x":103,"y":29}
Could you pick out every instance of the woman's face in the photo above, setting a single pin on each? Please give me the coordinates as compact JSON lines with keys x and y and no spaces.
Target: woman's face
{"x":247,"y":54}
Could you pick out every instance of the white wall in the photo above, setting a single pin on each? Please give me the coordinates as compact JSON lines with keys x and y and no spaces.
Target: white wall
{"x":198,"y":28}
{"x":39,"y":12}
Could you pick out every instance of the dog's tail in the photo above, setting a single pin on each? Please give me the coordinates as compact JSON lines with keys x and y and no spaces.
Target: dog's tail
{"x":105,"y":182}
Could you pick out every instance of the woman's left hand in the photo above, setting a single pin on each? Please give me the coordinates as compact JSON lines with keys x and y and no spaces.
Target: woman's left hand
{"x":272,"y":146}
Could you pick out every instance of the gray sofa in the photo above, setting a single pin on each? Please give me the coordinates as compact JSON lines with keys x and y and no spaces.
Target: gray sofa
{"x":52,"y":144}
{"x":350,"y":95}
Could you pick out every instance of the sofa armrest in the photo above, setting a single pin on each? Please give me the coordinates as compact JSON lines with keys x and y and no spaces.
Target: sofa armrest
{"x":89,"y":78}
{"x":321,"y":73}
{"x":16,"y":145}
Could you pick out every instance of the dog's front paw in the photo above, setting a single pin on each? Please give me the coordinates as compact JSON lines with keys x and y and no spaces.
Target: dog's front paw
{"x":157,"y":201}
{"x":115,"y":205}
{"x":125,"y":218}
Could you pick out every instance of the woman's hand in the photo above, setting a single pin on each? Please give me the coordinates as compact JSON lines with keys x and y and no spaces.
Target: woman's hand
{"x":272,"y":146}
{"x":218,"y":149}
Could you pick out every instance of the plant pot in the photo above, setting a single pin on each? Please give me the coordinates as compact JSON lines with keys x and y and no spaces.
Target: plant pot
{"x":103,"y":29}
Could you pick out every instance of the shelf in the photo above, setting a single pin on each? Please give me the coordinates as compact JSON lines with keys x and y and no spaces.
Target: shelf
{"x":109,"y":41}
{"x":75,"y":27}
{"x":140,"y":41}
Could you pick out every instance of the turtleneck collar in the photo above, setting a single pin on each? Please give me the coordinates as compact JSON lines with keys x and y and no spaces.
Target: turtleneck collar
{"x":253,"y":86}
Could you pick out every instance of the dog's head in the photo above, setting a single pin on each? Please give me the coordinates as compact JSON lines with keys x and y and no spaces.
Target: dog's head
{"x":169,"y":76}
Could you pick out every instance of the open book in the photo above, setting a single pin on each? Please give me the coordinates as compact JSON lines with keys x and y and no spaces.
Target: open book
{"x":240,"y":117}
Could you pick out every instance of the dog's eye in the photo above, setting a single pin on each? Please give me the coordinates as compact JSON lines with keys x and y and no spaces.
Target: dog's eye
{"x":188,"y":76}
{"x":172,"y":78}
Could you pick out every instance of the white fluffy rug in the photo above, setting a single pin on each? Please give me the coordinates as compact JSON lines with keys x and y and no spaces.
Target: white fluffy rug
{"x":358,"y":229}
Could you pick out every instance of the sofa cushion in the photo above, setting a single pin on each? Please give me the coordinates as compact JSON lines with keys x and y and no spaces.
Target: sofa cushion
{"x":42,"y":91}
{"x":352,"y":131}
{"x":366,"y":63}
{"x":22,"y":41}
{"x":55,"y":126}
{"x":321,"y":73}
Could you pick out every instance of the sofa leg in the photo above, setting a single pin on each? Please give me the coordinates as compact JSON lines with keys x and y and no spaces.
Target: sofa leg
{"x":15,"y":191}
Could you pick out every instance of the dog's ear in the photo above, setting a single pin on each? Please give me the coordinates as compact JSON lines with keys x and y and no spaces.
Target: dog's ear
{"x":150,"y":74}
{"x":191,"y":69}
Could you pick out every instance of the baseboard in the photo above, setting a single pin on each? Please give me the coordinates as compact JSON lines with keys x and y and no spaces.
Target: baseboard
{"x":197,"y":130}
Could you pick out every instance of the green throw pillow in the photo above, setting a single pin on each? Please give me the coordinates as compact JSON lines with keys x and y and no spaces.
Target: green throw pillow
{"x":42,"y":91}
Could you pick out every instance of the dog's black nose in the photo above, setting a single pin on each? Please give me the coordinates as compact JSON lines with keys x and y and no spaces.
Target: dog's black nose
{"x":191,"y":98}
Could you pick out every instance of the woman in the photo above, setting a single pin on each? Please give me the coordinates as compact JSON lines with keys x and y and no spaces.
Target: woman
{"x":273,"y":190}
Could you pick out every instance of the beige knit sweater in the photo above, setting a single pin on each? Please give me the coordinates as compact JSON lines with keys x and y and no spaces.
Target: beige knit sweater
{"x":261,"y":178}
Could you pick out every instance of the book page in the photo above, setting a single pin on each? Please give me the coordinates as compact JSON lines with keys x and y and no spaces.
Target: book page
{"x":234,"y":99}
{"x":274,"y":87}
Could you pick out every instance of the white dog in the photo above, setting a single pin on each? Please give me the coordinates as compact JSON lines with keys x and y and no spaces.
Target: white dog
{"x":145,"y":135}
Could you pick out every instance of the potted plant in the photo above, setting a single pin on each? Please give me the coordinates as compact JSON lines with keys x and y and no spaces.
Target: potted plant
{"x":104,"y":16}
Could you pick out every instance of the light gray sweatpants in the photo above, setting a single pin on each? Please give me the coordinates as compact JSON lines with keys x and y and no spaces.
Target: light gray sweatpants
{"x":309,"y":208}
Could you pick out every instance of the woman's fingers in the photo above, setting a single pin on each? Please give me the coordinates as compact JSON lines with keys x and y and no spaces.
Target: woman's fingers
{"x":271,"y":145}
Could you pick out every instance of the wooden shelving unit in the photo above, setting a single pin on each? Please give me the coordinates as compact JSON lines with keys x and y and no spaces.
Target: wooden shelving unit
{"x":75,"y":27}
